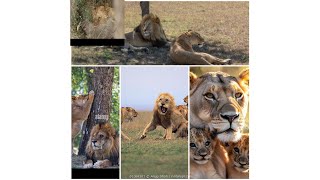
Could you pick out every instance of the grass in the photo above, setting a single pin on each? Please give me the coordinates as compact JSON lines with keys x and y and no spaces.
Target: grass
{"x":224,"y":24}
{"x":152,"y":157}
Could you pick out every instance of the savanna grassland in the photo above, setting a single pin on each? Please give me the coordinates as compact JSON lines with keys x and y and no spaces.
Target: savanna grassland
{"x":152,"y":157}
{"x":223,"y":25}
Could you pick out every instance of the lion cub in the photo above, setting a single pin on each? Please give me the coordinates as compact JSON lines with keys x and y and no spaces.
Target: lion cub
{"x":238,"y":165}
{"x":201,"y":152}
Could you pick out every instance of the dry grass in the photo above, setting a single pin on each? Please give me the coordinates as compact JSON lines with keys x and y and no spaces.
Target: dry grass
{"x":153,"y":156}
{"x":223,"y":24}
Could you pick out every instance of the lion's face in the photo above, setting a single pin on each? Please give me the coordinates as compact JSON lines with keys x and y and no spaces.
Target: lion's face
{"x":239,"y":154}
{"x":201,"y":146}
{"x":164,"y":103}
{"x":128,"y":113}
{"x":101,"y":137}
{"x":220,"y":102}
{"x":195,"y":38}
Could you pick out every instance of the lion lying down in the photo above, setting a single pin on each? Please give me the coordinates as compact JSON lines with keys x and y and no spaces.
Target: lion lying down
{"x":147,"y":34}
{"x":166,"y":114}
{"x":181,"y":51}
{"x":102,"y":149}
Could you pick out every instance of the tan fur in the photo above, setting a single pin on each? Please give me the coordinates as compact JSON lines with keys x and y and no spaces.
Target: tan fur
{"x":81,"y":106}
{"x":204,"y":152}
{"x":213,"y":102}
{"x":183,"y":109}
{"x":148,"y":33}
{"x":127,"y":114}
{"x":102,"y":146}
{"x":181,"y":51}
{"x":166,"y":115}
{"x":238,"y":165}
{"x":185,"y":99}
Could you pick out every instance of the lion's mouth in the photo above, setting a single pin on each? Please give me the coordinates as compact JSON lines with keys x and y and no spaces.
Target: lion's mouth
{"x":163,"y":109}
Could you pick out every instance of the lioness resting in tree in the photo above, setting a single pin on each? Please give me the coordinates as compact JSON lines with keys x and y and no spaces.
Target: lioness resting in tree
{"x":181,"y":51}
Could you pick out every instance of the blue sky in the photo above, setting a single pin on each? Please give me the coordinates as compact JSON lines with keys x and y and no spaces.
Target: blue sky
{"x":140,"y":86}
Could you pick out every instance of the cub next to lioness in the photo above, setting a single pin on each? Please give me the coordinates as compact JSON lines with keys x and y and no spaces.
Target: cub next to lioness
{"x":203,"y":148}
{"x":181,"y":51}
{"x":238,"y":152}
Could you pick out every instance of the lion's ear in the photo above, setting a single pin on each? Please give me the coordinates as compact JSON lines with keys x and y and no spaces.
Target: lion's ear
{"x":244,"y":80}
{"x":193,"y":78}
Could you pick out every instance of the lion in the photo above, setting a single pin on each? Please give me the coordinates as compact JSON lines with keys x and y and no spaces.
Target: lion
{"x":102,"y":149}
{"x":166,"y":115}
{"x":181,"y":51}
{"x":185,"y":99}
{"x":219,"y":101}
{"x":238,"y":153}
{"x":183,"y":109}
{"x":81,"y":106}
{"x":203,"y":149}
{"x":127,"y":114}
{"x":148,"y":33}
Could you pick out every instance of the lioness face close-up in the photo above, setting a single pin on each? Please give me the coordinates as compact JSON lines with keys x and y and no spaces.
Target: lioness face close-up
{"x":195,"y":38}
{"x":218,"y":101}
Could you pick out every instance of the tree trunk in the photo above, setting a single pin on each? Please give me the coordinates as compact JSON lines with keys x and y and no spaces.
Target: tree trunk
{"x":100,"y":81}
{"x":144,"y":7}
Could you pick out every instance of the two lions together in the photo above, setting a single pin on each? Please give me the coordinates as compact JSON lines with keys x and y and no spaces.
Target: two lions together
{"x":219,"y":104}
{"x":150,"y":33}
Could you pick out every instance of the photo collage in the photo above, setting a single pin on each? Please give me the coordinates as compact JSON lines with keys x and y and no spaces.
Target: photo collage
{"x":160,"y":89}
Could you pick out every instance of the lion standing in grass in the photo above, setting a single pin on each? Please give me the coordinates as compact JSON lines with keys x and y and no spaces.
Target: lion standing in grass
{"x":166,"y":115}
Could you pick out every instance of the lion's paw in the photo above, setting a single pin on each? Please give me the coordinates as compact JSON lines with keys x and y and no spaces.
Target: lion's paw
{"x":88,"y":166}
{"x":102,"y":164}
{"x":143,"y":136}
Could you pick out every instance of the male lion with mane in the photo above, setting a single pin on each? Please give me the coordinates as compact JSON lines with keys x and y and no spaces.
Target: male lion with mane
{"x":148,"y":33}
{"x":166,"y":114}
{"x":102,"y":149}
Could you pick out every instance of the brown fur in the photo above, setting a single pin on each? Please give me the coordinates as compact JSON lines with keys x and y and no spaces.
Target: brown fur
{"x":148,"y":33}
{"x":81,"y":106}
{"x":201,"y":155}
{"x":166,"y":115}
{"x":127,"y":114}
{"x":185,"y":99}
{"x":181,"y":51}
{"x":183,"y":109}
{"x":102,"y":146}
{"x":234,"y":169}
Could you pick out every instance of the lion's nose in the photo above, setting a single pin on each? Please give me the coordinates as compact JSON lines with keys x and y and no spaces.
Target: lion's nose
{"x":243,"y":161}
{"x":202,"y":152}
{"x":229,"y":116}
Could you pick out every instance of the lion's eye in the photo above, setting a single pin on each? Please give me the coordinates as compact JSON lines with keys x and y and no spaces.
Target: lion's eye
{"x":209,"y":96}
{"x":238,"y":95}
{"x":160,"y":99}
{"x":167,"y":100}
{"x":101,"y":136}
{"x":236,"y":150}
{"x":207,"y":143}
{"x":192,"y":145}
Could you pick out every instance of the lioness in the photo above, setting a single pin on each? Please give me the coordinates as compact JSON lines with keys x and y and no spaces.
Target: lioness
{"x":127,"y":114}
{"x":181,"y":51}
{"x":219,"y":101}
